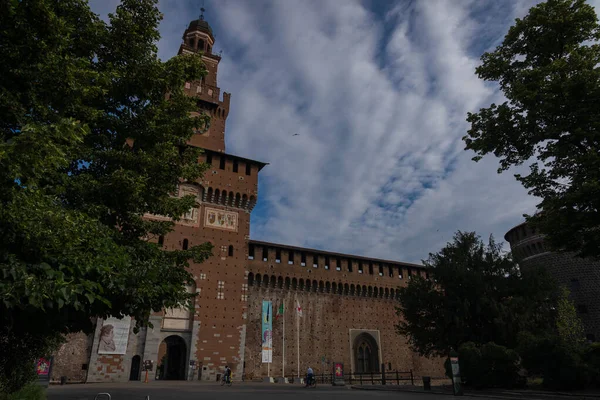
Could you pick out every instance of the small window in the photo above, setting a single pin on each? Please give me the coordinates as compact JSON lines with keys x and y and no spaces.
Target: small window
{"x":251,"y":252}
{"x":315,"y":261}
{"x":582,"y":309}
{"x":235,"y":165}
{"x":209,"y":158}
{"x":370,"y":268}
{"x":380,"y":269}
{"x":290,"y":257}
{"x":230,"y":251}
{"x":185,"y":244}
{"x":349,"y":265}
{"x":248,"y":168}
{"x":161,"y":240}
{"x":360,"y":267}
{"x":222,"y":162}
{"x":303,"y":259}
{"x":278,"y":256}
{"x":265,"y":254}
{"x":84,"y":367}
{"x":326,"y":262}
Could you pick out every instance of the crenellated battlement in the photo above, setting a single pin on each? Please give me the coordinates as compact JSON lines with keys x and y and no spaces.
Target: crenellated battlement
{"x":310,"y":264}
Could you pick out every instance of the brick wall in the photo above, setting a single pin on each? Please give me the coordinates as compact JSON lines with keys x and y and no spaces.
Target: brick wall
{"x":326,"y":329}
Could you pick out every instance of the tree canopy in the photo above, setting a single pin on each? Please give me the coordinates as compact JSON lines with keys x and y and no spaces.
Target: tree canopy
{"x":475,"y":293}
{"x":548,"y":69}
{"x":93,"y":133}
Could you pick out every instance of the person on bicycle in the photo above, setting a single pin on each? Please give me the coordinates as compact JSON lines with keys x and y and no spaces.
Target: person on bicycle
{"x":227,"y":374}
{"x":309,"y":375}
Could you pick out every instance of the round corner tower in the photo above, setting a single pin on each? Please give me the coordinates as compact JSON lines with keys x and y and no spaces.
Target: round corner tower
{"x":581,"y":276}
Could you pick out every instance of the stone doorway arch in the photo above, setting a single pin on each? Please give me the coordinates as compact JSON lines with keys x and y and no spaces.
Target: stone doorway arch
{"x":172,"y":358}
{"x":366,"y":353}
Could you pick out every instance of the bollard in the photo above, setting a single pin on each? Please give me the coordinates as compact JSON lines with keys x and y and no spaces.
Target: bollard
{"x":426,"y":383}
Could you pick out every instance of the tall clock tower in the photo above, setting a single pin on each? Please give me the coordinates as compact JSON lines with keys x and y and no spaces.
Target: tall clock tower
{"x":198,"y":344}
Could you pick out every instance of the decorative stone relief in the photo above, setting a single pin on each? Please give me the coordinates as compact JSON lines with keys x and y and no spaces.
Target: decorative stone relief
{"x":220,"y":219}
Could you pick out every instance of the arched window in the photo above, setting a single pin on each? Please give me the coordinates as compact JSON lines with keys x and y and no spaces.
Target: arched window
{"x":230,"y":252}
{"x":185,"y":244}
{"x":250,"y":279}
{"x":200,"y":45}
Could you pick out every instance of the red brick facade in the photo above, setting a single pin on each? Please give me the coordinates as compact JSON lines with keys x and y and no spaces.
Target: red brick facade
{"x":342,"y":302}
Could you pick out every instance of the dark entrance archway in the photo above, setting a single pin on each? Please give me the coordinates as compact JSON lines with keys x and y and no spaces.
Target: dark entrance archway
{"x":134,"y":375}
{"x":366,"y":353}
{"x":173,"y":362}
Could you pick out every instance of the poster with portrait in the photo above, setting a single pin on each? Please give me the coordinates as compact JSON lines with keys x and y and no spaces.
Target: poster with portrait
{"x":114,"y":335}
{"x":267,"y":332}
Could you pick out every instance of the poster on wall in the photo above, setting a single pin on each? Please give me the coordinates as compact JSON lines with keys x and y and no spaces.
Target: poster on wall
{"x":267,"y":332}
{"x":114,"y":335}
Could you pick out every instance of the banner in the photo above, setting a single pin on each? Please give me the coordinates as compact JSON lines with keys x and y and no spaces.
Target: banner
{"x":267,"y":332}
{"x":114,"y":335}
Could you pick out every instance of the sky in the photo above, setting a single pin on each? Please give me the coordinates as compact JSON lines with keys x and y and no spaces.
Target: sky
{"x":377,"y":92}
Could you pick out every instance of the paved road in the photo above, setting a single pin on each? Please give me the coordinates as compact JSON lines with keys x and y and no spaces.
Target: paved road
{"x":210,"y":391}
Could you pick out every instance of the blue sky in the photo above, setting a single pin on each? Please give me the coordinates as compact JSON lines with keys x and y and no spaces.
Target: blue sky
{"x":378,"y":92}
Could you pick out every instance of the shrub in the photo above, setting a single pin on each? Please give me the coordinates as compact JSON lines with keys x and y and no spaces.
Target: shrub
{"x":561,"y":365}
{"x":31,"y":391}
{"x":490,"y":365}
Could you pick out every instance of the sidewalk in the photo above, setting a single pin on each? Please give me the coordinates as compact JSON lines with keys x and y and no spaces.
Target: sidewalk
{"x":489,"y":393}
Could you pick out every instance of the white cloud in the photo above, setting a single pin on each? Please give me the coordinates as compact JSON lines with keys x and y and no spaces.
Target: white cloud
{"x":379,"y":103}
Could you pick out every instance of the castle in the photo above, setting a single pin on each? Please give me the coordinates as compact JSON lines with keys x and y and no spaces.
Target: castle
{"x":581,"y":276}
{"x":348,"y":302}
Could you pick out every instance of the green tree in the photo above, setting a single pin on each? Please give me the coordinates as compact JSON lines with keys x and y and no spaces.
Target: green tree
{"x":547,"y":67}
{"x":93,"y":133}
{"x":475,"y":293}
{"x":568,"y":324}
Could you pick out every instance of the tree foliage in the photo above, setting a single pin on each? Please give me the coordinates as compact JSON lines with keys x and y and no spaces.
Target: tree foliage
{"x":475,"y":293}
{"x":548,"y":69}
{"x":93,"y":133}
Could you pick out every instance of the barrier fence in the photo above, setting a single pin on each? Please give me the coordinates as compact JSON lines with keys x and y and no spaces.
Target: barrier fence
{"x":363,"y":378}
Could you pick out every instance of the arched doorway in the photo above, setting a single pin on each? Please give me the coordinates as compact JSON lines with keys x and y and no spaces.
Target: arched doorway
{"x":172,"y":355}
{"x":134,"y":375}
{"x":366,"y":353}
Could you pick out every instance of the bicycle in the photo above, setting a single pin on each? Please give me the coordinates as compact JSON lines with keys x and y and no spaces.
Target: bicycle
{"x":311,"y":382}
{"x":226,"y":381}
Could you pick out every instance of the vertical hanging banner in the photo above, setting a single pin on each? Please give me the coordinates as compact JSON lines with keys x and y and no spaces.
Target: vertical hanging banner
{"x":267,"y":332}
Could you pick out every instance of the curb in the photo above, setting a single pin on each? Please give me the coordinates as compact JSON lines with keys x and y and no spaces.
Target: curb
{"x":532,"y":396}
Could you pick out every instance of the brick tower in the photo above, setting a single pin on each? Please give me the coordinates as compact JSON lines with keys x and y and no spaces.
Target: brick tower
{"x":226,"y":195}
{"x":198,"y":343}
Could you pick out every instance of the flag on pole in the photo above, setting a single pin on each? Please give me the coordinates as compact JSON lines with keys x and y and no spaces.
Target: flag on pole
{"x":298,"y":308}
{"x":279,"y":312}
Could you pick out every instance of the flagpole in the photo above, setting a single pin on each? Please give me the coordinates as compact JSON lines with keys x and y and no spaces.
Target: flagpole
{"x":283,"y":350}
{"x":298,"y":338}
